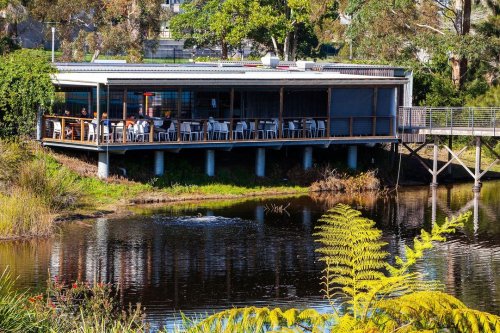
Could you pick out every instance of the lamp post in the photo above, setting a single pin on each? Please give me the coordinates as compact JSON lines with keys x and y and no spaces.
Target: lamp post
{"x":53,"y":42}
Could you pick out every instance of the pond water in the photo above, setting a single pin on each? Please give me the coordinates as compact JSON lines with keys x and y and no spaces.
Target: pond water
{"x":202,"y":257}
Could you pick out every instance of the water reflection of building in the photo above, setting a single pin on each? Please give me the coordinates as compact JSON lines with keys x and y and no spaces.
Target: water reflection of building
{"x":185,"y":263}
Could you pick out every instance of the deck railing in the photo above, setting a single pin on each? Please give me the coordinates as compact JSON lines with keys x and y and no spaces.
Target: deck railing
{"x":151,"y":130}
{"x":452,"y":118}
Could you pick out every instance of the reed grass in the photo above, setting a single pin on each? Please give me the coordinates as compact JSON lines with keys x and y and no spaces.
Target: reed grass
{"x":23,"y":214}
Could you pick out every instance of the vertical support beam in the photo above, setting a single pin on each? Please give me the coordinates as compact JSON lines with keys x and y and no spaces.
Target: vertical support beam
{"x":260,"y":162}
{"x":103,"y":166}
{"x":98,"y":110}
{"x":475,"y":216}
{"x":90,"y":102}
{"x":159,"y":162}
{"x":374,"y":112}
{"x":280,"y":122}
{"x":39,"y":124}
{"x":435,"y":162}
{"x":450,"y":145}
{"x":477,"y":167}
{"x":210,"y":162}
{"x":433,"y":204}
{"x":307,"y":158}
{"x":231,"y":114}
{"x":179,"y":103}
{"x":352,"y":157}
{"x":328,"y":113}
{"x":124,"y":134}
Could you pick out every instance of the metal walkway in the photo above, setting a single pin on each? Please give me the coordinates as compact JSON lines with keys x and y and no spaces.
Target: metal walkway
{"x":417,"y":124}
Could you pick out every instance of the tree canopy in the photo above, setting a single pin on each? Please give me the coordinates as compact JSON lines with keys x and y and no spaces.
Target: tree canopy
{"x":25,"y":86}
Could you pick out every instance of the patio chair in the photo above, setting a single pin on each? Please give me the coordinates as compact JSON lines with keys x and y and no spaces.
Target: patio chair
{"x":57,"y":129}
{"x":140,"y":133}
{"x":254,"y":131}
{"x":271,"y":131}
{"x":107,"y":136}
{"x":172,"y":132}
{"x":293,"y":130}
{"x":224,"y":131}
{"x":186,"y":132}
{"x":216,"y":127}
{"x":321,"y":128}
{"x":91,"y":136}
{"x":210,"y":130}
{"x":238,"y":130}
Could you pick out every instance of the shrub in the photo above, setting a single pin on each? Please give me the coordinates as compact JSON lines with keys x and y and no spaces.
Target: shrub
{"x":334,"y":181}
{"x":23,"y":214}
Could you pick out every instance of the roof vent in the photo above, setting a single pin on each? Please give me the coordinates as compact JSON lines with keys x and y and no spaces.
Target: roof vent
{"x":270,"y":60}
{"x":304,"y":65}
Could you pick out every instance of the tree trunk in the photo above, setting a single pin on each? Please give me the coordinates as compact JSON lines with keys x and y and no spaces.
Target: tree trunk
{"x":462,"y":26}
{"x":224,"y":50}
{"x":275,"y":46}
{"x":286,"y":47}
{"x":294,"y":43}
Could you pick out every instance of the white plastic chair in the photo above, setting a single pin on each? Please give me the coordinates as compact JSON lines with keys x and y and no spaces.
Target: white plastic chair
{"x":321,"y":128}
{"x":57,"y":129}
{"x":91,"y":132}
{"x":224,"y":131}
{"x":172,"y":132}
{"x":238,"y":130}
{"x":292,"y":130}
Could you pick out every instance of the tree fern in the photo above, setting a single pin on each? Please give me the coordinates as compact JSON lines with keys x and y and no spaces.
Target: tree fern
{"x":352,"y":252}
{"x":354,"y":257}
{"x":379,"y":297}
{"x":254,"y":320}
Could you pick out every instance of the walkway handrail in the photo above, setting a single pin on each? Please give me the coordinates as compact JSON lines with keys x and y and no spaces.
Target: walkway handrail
{"x":451,"y":118}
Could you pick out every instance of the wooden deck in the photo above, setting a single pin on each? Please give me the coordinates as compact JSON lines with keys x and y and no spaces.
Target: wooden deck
{"x":223,"y":145}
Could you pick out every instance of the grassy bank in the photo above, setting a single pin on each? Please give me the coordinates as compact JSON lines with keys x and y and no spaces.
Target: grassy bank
{"x":39,"y":186}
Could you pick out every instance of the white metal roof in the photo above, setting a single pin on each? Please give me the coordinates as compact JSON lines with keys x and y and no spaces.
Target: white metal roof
{"x":205,"y":75}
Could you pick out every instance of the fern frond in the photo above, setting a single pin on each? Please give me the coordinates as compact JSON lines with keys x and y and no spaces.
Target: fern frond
{"x":424,"y":242}
{"x":352,"y":250}
{"x":253,"y":319}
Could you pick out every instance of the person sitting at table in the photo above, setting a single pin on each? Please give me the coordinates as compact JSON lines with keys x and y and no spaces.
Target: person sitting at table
{"x":84,"y":113}
{"x":130,"y":121}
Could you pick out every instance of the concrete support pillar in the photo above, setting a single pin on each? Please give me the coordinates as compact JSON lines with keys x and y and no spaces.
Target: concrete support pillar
{"x":477,"y":166}
{"x":39,"y":124}
{"x":307,"y":160}
{"x":159,"y":162}
{"x":260,"y":162}
{"x":103,"y":166}
{"x":435,"y":157}
{"x":352,"y":157}
{"x":210,"y":162}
